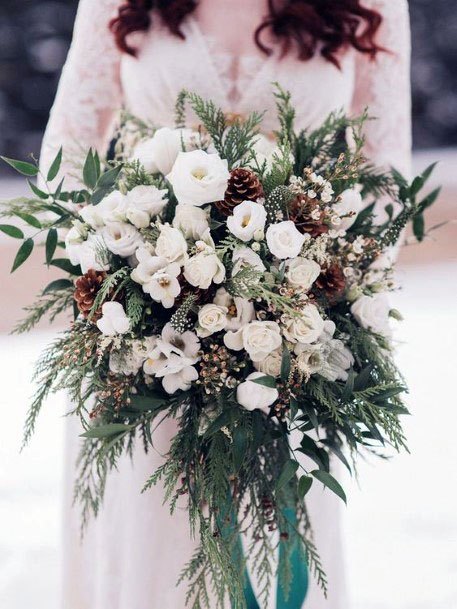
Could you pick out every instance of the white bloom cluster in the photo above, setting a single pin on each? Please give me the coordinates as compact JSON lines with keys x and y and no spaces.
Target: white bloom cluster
{"x":169,"y":237}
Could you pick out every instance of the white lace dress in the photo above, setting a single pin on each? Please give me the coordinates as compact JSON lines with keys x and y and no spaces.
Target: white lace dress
{"x":132,"y":554}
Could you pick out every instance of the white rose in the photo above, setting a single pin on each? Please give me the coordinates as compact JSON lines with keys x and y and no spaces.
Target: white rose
{"x":113,"y":320}
{"x":253,"y":396}
{"x":245,"y":257}
{"x":88,"y":254}
{"x":191,"y":221}
{"x":372,"y":313}
{"x":305,"y":328}
{"x":158,"y":154}
{"x":302,"y":273}
{"x":144,"y":202}
{"x":171,"y":244}
{"x":205,"y":267}
{"x":284,"y":240}
{"x":258,"y":338}
{"x":112,"y":208}
{"x":350,"y":203}
{"x":239,"y":310}
{"x":199,"y":178}
{"x":247,"y":218}
{"x":211,"y":318}
{"x":121,"y":239}
{"x":271,"y":365}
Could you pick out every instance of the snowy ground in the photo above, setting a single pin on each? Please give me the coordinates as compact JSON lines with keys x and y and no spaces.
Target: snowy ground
{"x":401,"y":526}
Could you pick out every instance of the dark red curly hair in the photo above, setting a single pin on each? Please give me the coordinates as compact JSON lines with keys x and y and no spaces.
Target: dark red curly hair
{"x":302,"y":25}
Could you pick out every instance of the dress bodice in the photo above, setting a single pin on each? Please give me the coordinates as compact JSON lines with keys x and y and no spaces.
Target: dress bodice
{"x":150,"y":87}
{"x":98,"y":80}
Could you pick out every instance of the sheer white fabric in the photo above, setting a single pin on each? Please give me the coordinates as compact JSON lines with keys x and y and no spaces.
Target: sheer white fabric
{"x":132,"y":554}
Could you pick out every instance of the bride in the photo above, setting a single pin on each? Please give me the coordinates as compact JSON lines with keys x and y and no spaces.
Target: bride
{"x":329,"y":54}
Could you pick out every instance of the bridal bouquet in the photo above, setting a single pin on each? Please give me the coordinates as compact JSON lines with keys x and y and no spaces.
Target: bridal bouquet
{"x":237,"y":284}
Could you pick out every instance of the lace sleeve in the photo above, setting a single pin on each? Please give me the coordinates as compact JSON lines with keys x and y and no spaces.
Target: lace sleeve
{"x":89,"y":93}
{"x":383,"y":86}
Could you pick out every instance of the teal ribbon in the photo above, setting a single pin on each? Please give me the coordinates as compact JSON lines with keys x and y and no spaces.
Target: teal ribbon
{"x":300,"y":581}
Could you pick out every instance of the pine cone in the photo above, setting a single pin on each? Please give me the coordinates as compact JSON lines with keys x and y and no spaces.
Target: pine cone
{"x":331,"y":282}
{"x":307,"y":216}
{"x":243,"y":185}
{"x":87,"y":288}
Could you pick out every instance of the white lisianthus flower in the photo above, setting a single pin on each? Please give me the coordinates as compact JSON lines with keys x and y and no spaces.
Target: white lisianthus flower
{"x":350,"y":203}
{"x":191,"y":221}
{"x":199,"y":178}
{"x":205,"y":267}
{"x":158,"y":154}
{"x":257,"y":338}
{"x":171,"y":244}
{"x":144,"y":202}
{"x":121,"y":239}
{"x":131,"y":359}
{"x":113,"y":320}
{"x":173,"y":359}
{"x":254,"y":396}
{"x":240,"y":311}
{"x":112,"y":208}
{"x":337,"y":361}
{"x":245,"y":257}
{"x":372,"y":313}
{"x":247,"y":218}
{"x":158,"y":277}
{"x":309,"y":358}
{"x":211,"y":318}
{"x":271,"y":365}
{"x":88,"y":254}
{"x":302,"y":273}
{"x":305,"y":328}
{"x":284,"y":240}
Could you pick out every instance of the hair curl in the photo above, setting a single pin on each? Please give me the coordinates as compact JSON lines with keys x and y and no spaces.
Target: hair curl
{"x":307,"y":26}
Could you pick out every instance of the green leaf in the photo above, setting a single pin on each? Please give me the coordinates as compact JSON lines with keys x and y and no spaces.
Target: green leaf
{"x":416,"y":186}
{"x":36,"y":191}
{"x":285,"y":364}
{"x":23,"y":253}
{"x":363,"y":379}
{"x":55,"y":167}
{"x":29,"y":219}
{"x":51,"y":244}
{"x":304,"y":484}
{"x":419,"y":227}
{"x":289,"y":470}
{"x":90,"y":171}
{"x":12,"y":231}
{"x":349,"y":386}
{"x":65,"y":265}
{"x":265,"y":381}
{"x":390,"y":392}
{"x":329,"y":481}
{"x":26,"y":169}
{"x":240,"y":446}
{"x":106,"y":431}
{"x":430,"y":199}
{"x":58,"y":284}
{"x":314,"y":452}
{"x":338,"y":453}
{"x":108,"y":179}
{"x":147,"y":402}
{"x":428,"y":172}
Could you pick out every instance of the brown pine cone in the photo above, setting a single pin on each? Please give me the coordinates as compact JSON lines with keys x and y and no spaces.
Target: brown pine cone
{"x":307,"y":216}
{"x":331,"y":282}
{"x":243,"y":185}
{"x":87,"y":288}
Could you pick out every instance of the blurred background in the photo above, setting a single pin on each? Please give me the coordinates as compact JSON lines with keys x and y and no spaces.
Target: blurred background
{"x":401,"y":524}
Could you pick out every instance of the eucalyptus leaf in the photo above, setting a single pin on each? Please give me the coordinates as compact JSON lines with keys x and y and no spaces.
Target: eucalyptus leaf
{"x":329,"y":481}
{"x":12,"y":231}
{"x":265,"y":381}
{"x":37,"y":191}
{"x":29,"y":219}
{"x":51,"y":244}
{"x":289,"y":470}
{"x":55,"y":166}
{"x":239,"y":446}
{"x":106,"y":431}
{"x":304,"y":485}
{"x":23,"y":253}
{"x":65,"y":265}
{"x":285,"y":364}
{"x":26,"y":169}
{"x":147,"y":402}
{"x":90,"y":171}
{"x":58,"y":284}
